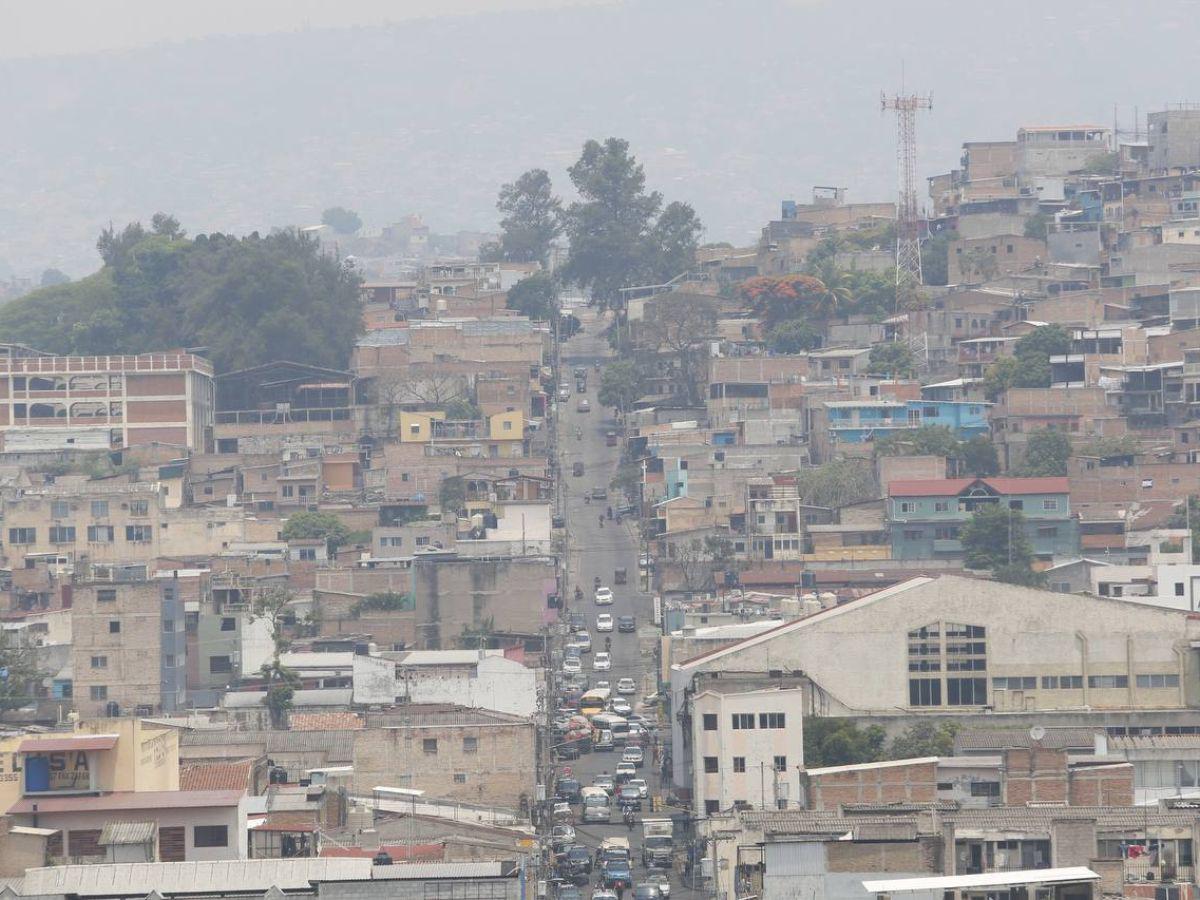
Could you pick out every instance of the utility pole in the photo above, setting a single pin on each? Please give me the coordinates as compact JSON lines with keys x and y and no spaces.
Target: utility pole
{"x":908,"y":222}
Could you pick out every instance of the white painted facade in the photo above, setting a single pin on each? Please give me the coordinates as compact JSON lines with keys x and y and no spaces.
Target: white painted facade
{"x":474,"y":679}
{"x":757,"y":765}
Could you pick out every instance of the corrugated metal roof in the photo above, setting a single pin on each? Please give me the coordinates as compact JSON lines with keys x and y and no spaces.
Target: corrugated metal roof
{"x":133,"y":879}
{"x":120,"y":800}
{"x":1002,"y":738}
{"x":128,"y":833}
{"x":1155,"y":742}
{"x":72,"y":742}
{"x":385,"y":337}
{"x":985,"y":880}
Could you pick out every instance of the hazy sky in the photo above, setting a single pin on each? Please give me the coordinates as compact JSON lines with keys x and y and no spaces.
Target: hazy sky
{"x":54,"y":27}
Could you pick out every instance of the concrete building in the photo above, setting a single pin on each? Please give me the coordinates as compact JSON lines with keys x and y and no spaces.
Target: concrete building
{"x":50,"y":403}
{"x":748,"y":745}
{"x":971,"y":649}
{"x":461,"y":755}
{"x":982,"y":259}
{"x":926,"y":517}
{"x":475,"y":679}
{"x":1174,"y":136}
{"x":128,"y":647}
{"x":119,"y":771}
{"x":1052,"y":150}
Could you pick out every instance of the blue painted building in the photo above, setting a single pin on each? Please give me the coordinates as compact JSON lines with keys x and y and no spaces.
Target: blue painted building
{"x":861,"y":421}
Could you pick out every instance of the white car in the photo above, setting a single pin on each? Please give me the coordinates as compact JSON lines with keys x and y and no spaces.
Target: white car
{"x":626,"y":686}
{"x":604,"y":596}
{"x":640,"y":784}
{"x":582,"y":640}
{"x":602,"y":662}
{"x":621,"y":706}
{"x":604,"y":622}
{"x":633,"y":755}
{"x":627,"y":769}
{"x":601,"y":684}
{"x":572,"y":665}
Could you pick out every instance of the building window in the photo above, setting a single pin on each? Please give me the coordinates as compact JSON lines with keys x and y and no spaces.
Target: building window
{"x":710,"y":721}
{"x":289,"y":490}
{"x":220,"y":665}
{"x":711,"y":807}
{"x":168,"y":626}
{"x":1179,"y":588}
{"x":139,"y":507}
{"x":945,"y":533}
{"x":771,"y":720}
{"x":470,"y":745}
{"x":743,"y":721}
{"x":906,"y":507}
{"x":429,"y":746}
{"x":710,"y":765}
{"x":1047,"y":531}
{"x":966,"y":691}
{"x":1016,"y":504}
{"x":138,"y":533}
{"x":1049,"y":504}
{"x":941,"y":506}
{"x":739,"y":764}
{"x":99,"y":509}
{"x":60,"y":509}
{"x":210,"y":836}
{"x":781,"y":764}
{"x":62,"y":534}
{"x":460,"y":778}
{"x":1158,"y":681}
{"x":913,"y":534}
{"x":228,"y":623}
{"x":169,"y":660}
{"x":985,"y":789}
{"x":98,"y":692}
{"x":100,"y":534}
{"x":99,"y":662}
{"x":1108,"y":681}
{"x":308,"y":553}
{"x":22,"y":535}
{"x":106,"y":595}
{"x":1015,"y":683}
{"x":1062,"y":682}
{"x":114,"y":626}
{"x":924,"y":692}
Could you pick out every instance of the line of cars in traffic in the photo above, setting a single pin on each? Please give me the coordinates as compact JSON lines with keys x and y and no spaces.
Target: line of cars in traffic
{"x":611,"y":864}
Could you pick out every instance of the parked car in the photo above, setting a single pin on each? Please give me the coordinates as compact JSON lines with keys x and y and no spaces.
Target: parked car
{"x":626,"y":686}
{"x":626,"y":624}
{"x":579,"y":860}
{"x":602,"y":662}
{"x":561,"y":836}
{"x":567,"y":789}
{"x":646,"y":561}
{"x":604,"y":622}
{"x":577,"y":469}
{"x":571,"y":665}
{"x":604,"y":596}
{"x":567,"y":750}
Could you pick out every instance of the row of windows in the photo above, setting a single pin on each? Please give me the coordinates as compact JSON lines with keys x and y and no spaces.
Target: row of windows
{"x":469,"y":745}
{"x":959,"y":692}
{"x":96,"y":534}
{"x":950,"y":533}
{"x":61,"y":509}
{"x":908,"y":506}
{"x":1075,"y":682}
{"x":746,"y":721}
{"x":712,"y":764}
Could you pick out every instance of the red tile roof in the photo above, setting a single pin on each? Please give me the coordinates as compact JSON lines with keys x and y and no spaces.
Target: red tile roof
{"x":326,"y":721}
{"x":121,"y":800}
{"x":952,"y":487}
{"x":224,"y":776}
{"x":73,"y":742}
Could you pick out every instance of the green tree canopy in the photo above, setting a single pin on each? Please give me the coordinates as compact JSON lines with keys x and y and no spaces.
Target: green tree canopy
{"x":1046,"y":454}
{"x":894,"y":359}
{"x":1029,"y":366}
{"x":837,"y":484}
{"x":995,"y":537}
{"x":52,"y":277}
{"x":310,"y":525}
{"x":977,"y":456}
{"x":452,"y":493}
{"x":928,"y":440}
{"x":841,"y":742}
{"x":341,"y":220}
{"x":619,"y":234}
{"x":461,"y":409}
{"x":924,"y":739}
{"x":793,"y":336}
{"x":245,"y":300}
{"x":935,"y":257}
{"x":535,"y":296}
{"x":620,"y":385}
{"x":681,"y":323}
{"x":531,"y":218}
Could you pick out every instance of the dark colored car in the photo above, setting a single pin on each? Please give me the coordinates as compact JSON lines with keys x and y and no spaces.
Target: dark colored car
{"x":617,"y":875}
{"x":578,"y":622}
{"x":626,"y":624}
{"x":647,"y":892}
{"x":567,"y":789}
{"x":567,"y":750}
{"x":578,"y":861}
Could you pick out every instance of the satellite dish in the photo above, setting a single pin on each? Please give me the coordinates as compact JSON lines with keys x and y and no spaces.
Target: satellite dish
{"x":1036,"y":733}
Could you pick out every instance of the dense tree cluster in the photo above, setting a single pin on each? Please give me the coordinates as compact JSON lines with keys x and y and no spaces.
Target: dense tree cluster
{"x":244,"y":300}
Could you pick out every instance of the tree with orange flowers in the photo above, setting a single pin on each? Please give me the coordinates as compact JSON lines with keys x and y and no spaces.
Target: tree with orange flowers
{"x":778,"y":299}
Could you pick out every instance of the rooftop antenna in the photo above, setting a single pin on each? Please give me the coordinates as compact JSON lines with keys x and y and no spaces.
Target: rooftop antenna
{"x":908,"y":221}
